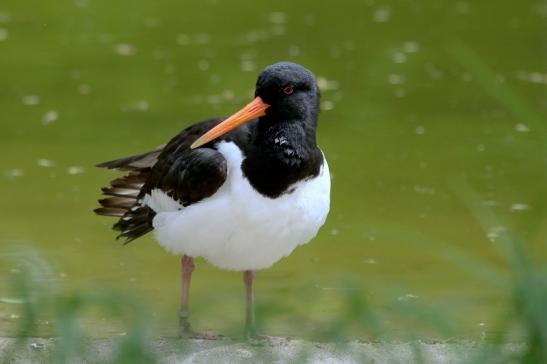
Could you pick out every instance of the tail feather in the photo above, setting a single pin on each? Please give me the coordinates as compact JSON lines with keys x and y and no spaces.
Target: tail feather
{"x":110,"y":211}
{"x":139,"y":161}
{"x":120,"y":202}
{"x":121,"y":192}
{"x":123,"y":196}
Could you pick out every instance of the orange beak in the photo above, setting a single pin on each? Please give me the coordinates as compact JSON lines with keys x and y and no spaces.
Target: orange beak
{"x":251,"y":111}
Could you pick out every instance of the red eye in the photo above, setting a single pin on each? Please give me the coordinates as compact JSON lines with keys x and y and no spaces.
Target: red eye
{"x":288,"y":90}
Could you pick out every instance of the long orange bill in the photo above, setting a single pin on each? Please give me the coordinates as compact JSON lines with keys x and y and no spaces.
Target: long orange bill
{"x":251,"y":111}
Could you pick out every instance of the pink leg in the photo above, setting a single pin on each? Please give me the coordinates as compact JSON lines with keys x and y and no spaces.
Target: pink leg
{"x":187,"y":265}
{"x":248,"y":279}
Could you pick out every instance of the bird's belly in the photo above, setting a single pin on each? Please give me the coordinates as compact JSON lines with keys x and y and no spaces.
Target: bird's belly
{"x":239,"y":229}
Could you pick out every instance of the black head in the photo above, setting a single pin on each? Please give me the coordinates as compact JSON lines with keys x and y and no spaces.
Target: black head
{"x":291,"y":91}
{"x":286,"y":93}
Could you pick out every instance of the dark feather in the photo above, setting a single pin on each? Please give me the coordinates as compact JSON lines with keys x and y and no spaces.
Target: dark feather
{"x":110,"y":211}
{"x":139,"y":161}
{"x":119,"y":202}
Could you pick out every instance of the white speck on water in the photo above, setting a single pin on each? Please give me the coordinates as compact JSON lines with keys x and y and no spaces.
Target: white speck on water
{"x":382,"y":14}
{"x":410,"y":47}
{"x":81,"y":3}
{"x":294,"y":51}
{"x":278,"y":29}
{"x":349,"y":45}
{"x":517,"y":207}
{"x":50,"y":117}
{"x":15,"y":270}
{"x":334,"y":232}
{"x":14,"y":316}
{"x":277,"y":17}
{"x":399,"y":57}
{"x":247,"y":56}
{"x":490,"y":203}
{"x":372,"y":238}
{"x":467,"y":77}
{"x":73,"y":170}
{"x":420,"y":130}
{"x":125,"y":49}
{"x":105,"y":38}
{"x":13,"y":173}
{"x":228,"y":95}
{"x":256,"y":35}
{"x":84,"y":89}
{"x":482,"y":324}
{"x":247,"y":65}
{"x":203,"y":65}
{"x":481,"y":148}
{"x":370,"y":261}
{"x":3,"y":34}
{"x":138,"y":105}
{"x":424,"y":190}
{"x":152,"y":22}
{"x":495,"y":232}
{"x":63,"y":275}
{"x":183,"y":39}
{"x":462,"y":7}
{"x":327,"y":105}
{"x":536,"y":77}
{"x":30,"y":100}
{"x":433,"y":72}
{"x":46,"y":163}
{"x":75,"y":74}
{"x":395,"y":79}
{"x":407,"y":297}
{"x":4,"y":17}
{"x":309,"y":19}
{"x":325,"y":84}
{"x":141,"y":105}
{"x":196,"y":99}
{"x":201,"y":38}
{"x":399,"y":92}
{"x":214,"y":99}
{"x":522,"y":128}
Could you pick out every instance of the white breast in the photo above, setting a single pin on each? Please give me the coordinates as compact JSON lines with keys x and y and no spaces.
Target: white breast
{"x":237,"y":228}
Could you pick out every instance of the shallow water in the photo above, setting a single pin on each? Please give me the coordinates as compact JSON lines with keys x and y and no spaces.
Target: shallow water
{"x":416,"y":97}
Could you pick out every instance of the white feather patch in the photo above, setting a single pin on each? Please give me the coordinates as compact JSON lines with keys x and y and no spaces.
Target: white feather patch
{"x":160,"y":202}
{"x":237,"y":228}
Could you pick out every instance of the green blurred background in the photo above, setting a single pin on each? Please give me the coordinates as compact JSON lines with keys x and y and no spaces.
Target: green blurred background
{"x":415,"y":95}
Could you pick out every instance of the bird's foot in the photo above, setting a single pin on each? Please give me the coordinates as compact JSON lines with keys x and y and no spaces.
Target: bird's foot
{"x":186,"y":331}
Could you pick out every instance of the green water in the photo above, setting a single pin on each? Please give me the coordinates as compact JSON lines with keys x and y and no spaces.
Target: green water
{"x":416,"y":95}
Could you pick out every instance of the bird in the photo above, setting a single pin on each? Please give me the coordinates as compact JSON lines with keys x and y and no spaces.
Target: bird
{"x":241,"y":191}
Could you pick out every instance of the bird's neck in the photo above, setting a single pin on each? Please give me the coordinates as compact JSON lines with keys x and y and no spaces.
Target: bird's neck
{"x":281,"y":154}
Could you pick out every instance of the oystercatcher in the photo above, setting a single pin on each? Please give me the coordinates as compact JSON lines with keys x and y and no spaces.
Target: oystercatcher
{"x":241,"y":192}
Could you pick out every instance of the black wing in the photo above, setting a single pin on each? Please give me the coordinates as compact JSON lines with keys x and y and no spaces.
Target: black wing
{"x":186,"y":175}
